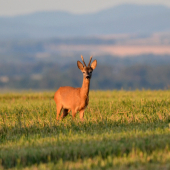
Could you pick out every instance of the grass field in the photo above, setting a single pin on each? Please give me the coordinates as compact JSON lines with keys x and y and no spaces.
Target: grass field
{"x":122,"y":130}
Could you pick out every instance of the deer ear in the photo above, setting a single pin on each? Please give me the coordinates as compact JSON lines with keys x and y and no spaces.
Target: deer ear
{"x":94,"y":64}
{"x":79,"y":65}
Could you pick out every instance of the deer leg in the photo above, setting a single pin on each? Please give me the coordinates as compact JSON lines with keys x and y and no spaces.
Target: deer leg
{"x":64,"y":114}
{"x":73,"y":114}
{"x":59,"y":107}
{"x":82,"y":115}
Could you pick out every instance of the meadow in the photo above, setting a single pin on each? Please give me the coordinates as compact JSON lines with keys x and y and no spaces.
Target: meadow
{"x":122,"y":130}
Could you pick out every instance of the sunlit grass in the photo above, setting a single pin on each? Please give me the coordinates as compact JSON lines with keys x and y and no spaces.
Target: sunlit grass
{"x":122,"y":129}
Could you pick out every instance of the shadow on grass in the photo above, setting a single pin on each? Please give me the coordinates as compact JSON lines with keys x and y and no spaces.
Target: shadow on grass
{"x":76,"y":127}
{"x":81,"y":148}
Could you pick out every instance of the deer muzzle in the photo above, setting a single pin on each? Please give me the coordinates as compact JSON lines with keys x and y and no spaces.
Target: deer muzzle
{"x":88,"y":76}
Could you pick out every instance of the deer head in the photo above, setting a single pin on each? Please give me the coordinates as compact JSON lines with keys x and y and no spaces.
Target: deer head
{"x":87,"y":70}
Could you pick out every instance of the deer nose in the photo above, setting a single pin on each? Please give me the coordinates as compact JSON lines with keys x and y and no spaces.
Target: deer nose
{"x":87,"y":77}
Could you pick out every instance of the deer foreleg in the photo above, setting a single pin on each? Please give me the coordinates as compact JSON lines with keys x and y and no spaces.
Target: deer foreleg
{"x":82,"y":115}
{"x":73,"y":114}
{"x":59,"y":107}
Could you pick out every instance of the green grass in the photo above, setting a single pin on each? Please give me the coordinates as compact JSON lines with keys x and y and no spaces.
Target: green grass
{"x":122,"y":130}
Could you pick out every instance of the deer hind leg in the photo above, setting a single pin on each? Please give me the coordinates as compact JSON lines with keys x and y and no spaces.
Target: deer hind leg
{"x":59,"y":107}
{"x":64,"y":114}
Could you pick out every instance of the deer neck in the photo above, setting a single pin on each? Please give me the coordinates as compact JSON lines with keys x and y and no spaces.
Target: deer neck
{"x":85,"y":87}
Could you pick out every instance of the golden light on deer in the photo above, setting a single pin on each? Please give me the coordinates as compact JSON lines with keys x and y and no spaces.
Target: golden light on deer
{"x":75,"y":99}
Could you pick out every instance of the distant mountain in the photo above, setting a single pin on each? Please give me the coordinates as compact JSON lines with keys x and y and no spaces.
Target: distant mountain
{"x":120,"y":19}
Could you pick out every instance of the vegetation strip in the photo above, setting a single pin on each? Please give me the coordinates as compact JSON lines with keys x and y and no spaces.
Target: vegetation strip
{"x":121,"y":129}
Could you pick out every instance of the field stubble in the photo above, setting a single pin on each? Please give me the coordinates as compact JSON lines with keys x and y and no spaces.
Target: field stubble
{"x":122,"y":129}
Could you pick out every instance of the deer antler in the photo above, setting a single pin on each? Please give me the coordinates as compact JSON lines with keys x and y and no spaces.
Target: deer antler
{"x":90,"y":60}
{"x":83,"y":60}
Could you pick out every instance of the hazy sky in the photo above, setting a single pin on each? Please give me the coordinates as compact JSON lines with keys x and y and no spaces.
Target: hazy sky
{"x":17,"y":7}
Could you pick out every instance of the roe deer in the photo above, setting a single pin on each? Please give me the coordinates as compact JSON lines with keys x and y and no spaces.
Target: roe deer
{"x":75,"y":99}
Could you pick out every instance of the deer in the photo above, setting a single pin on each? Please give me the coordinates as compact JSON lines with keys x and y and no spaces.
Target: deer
{"x":75,"y":99}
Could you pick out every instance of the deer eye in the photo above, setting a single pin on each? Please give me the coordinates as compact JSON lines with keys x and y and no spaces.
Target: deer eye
{"x":83,"y":72}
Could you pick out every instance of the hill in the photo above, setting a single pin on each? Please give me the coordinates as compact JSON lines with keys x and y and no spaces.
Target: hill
{"x":125,"y":18}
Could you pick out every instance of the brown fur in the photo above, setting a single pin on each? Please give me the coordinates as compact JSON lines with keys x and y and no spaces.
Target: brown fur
{"x":75,"y":99}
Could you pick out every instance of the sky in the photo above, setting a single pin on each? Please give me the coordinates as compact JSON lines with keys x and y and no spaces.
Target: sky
{"x":20,"y":7}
